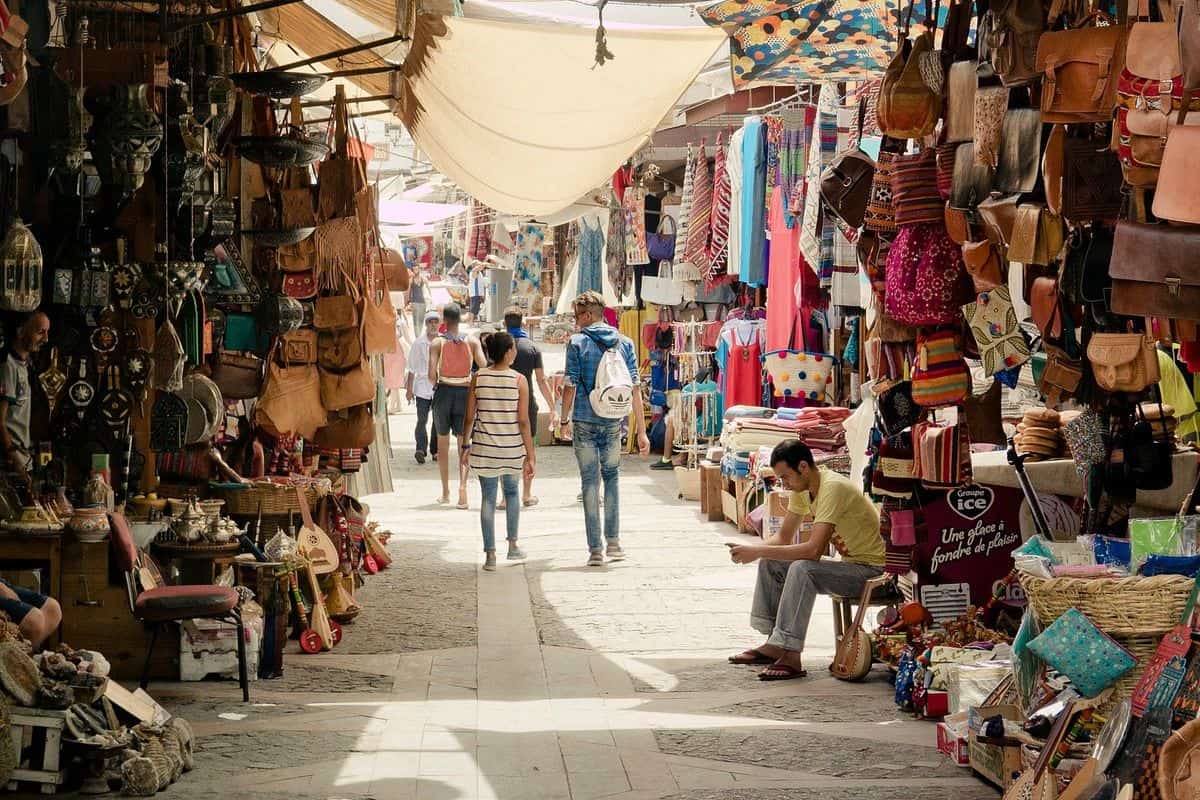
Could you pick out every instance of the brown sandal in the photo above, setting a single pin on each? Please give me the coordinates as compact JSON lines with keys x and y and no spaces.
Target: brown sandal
{"x":781,"y":672}
{"x":751,"y":658}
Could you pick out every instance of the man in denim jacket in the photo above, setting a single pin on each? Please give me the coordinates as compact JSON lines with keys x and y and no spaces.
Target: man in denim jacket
{"x":597,"y":440}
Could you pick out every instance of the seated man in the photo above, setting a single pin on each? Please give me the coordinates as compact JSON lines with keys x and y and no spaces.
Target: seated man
{"x":35,"y":614}
{"x":790,"y":576}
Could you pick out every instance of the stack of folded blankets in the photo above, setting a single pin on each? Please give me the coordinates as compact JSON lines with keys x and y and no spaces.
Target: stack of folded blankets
{"x":820,"y":428}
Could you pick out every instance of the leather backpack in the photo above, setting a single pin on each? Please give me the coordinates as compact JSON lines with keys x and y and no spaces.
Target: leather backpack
{"x":1080,"y":71}
{"x":1008,"y":37}
{"x":846,"y":186}
{"x":910,"y":96}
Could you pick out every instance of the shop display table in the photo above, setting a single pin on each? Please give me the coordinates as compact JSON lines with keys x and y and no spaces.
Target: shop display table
{"x":1059,"y":477}
{"x":37,"y":550}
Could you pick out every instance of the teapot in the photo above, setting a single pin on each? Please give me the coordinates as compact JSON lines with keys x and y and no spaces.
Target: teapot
{"x":96,"y":492}
{"x":189,"y":526}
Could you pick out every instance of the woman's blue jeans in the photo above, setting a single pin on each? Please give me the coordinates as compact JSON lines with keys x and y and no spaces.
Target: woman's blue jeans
{"x":487,"y":511}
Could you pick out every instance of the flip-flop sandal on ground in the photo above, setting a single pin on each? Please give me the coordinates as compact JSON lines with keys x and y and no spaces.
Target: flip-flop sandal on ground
{"x":530,"y":501}
{"x":781,"y":672}
{"x":751,"y":658}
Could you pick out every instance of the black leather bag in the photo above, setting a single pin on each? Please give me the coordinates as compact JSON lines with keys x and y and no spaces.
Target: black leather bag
{"x":846,"y":186}
{"x":1148,"y":459}
{"x":972,"y":183}
{"x":1020,"y":151}
{"x":1091,"y":181}
{"x":897,"y":409}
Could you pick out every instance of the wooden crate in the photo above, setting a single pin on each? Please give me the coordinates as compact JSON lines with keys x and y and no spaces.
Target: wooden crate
{"x":37,"y":735}
{"x":710,"y":492}
{"x":735,"y":498}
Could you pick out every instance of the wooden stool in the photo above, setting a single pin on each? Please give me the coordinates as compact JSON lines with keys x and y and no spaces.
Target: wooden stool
{"x":844,"y":607}
{"x":31,"y":729}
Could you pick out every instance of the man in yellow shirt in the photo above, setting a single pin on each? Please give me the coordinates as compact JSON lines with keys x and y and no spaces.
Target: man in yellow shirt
{"x":790,"y":576}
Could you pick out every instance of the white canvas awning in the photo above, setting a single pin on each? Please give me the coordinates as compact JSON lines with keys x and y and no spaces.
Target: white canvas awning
{"x":519,"y":116}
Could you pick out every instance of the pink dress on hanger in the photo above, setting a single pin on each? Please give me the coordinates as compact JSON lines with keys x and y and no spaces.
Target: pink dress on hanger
{"x":782,"y":276}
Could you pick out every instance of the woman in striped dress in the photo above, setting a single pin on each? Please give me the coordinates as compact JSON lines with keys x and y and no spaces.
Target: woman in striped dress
{"x":500,"y":440}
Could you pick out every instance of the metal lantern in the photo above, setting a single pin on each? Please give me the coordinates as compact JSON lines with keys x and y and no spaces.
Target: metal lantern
{"x":21,"y":265}
{"x":128,"y":138}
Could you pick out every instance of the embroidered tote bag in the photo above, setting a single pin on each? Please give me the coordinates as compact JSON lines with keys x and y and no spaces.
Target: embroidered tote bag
{"x":800,"y":373}
{"x":993,"y":323}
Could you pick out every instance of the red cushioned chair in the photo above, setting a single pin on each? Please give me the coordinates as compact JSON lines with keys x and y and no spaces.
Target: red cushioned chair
{"x":163,"y":604}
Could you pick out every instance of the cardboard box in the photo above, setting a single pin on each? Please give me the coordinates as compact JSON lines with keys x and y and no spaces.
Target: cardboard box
{"x":995,"y":763}
{"x":777,"y":506}
{"x":952,"y":740}
{"x":542,"y":434}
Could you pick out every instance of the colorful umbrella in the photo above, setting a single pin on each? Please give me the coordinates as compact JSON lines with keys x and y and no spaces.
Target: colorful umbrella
{"x":806,"y":41}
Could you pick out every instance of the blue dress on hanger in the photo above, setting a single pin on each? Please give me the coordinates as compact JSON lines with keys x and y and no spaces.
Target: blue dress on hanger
{"x":754,"y":202}
{"x":591,"y":252}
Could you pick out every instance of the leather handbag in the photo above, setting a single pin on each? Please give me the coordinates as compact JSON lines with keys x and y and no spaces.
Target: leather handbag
{"x":1152,"y":77}
{"x":909,"y":106}
{"x":1053,"y":157}
{"x":1080,"y":70}
{"x":298,"y":257}
{"x":983,"y":265}
{"x":1155,"y":270}
{"x":1142,"y":135}
{"x":972,"y":183}
{"x":341,"y":176}
{"x":914,"y":189}
{"x":1123,"y":362}
{"x":1176,"y":198}
{"x":1008,"y":35}
{"x":959,"y":125}
{"x":1020,"y":151}
{"x":339,"y":350}
{"x":379,"y":321}
{"x":846,"y":186}
{"x":299,"y":347}
{"x":342,"y":390}
{"x":1037,"y":236}
{"x":661,"y":244}
{"x":336,"y":312}
{"x":351,"y":428}
{"x":1043,"y":301}
{"x":237,"y":375}
{"x":1061,"y":376}
{"x":998,"y":214}
{"x":958,"y":226}
{"x":1091,"y":181}
{"x":291,"y":400}
{"x":395,"y":271}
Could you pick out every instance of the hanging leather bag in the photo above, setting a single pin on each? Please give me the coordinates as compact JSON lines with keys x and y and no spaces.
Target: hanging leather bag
{"x":351,"y":428}
{"x":972,"y":183}
{"x":340,"y":177}
{"x":1020,"y":151}
{"x":299,"y":347}
{"x":1123,"y":362}
{"x":910,"y":96}
{"x":846,"y":185}
{"x":291,"y":400}
{"x":1091,"y":181}
{"x":1008,"y":37}
{"x":1155,"y":271}
{"x":237,"y":375}
{"x":983,"y":265}
{"x":341,"y":390}
{"x":1037,"y":236}
{"x":379,"y":318}
{"x":1080,"y":70}
{"x":339,"y":350}
{"x":1176,"y":198}
{"x":335,"y":313}
{"x":961,"y":83}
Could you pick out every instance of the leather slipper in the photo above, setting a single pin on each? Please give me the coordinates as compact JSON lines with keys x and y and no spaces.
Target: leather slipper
{"x":752,"y":658}
{"x":784,"y":673}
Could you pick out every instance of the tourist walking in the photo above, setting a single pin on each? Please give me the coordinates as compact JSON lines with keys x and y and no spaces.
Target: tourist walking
{"x":499,"y":440}
{"x":478,"y":290}
{"x":529,"y":364}
{"x":418,"y":297}
{"x":418,"y":386}
{"x":601,"y":391}
{"x":451,"y":358}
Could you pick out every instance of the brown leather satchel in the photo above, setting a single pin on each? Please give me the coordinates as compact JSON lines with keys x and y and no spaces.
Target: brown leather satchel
{"x":1080,"y":70}
{"x":1155,"y":271}
{"x":909,"y":107}
{"x":237,"y":375}
{"x":395,"y":271}
{"x":351,"y":428}
{"x":291,"y":400}
{"x":341,"y":176}
{"x":1091,"y":181}
{"x":1037,"y":236}
{"x":1008,"y":37}
{"x":1176,"y":198}
{"x":983,"y":265}
{"x":336,"y":312}
{"x":961,"y":83}
{"x":999,"y":215}
{"x":299,"y":347}
{"x":347,"y":389}
{"x":1061,"y":378}
{"x":1123,"y":362}
{"x":339,"y":350}
{"x":379,"y":320}
{"x":1043,"y":302}
{"x":846,"y":186}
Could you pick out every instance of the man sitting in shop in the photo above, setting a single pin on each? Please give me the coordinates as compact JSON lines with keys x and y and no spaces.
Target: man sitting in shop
{"x":35,"y":614}
{"x":790,"y":576}
{"x":15,"y":392}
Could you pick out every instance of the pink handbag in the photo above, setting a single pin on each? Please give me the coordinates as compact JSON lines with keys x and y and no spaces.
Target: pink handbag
{"x":904,"y":528}
{"x":926,"y":281}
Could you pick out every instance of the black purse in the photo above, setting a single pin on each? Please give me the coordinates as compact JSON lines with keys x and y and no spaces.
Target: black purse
{"x":1148,"y":459}
{"x":897,"y":410}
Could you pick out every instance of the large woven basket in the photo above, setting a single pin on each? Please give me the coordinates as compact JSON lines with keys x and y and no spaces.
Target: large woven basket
{"x":1134,"y":606}
{"x":273,"y":498}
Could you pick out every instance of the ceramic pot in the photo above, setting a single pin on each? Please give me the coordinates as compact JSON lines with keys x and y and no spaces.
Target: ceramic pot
{"x":89,"y":524}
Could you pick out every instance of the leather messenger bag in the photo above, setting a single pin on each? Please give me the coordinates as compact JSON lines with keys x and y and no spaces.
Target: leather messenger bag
{"x":1155,"y":271}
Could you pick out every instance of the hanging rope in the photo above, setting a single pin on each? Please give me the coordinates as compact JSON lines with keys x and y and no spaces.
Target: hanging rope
{"x":603,"y":54}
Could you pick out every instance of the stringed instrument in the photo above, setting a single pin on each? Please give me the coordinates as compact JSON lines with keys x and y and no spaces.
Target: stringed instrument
{"x":1039,"y":782}
{"x":854,"y":656}
{"x":314,"y":544}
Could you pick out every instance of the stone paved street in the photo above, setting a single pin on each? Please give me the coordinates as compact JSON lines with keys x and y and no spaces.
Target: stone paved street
{"x":551,"y":680}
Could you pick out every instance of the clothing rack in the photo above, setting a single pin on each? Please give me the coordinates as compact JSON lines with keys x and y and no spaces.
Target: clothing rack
{"x":693,"y":359}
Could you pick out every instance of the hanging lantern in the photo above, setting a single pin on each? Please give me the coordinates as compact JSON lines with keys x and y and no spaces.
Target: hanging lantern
{"x":21,"y":265}
{"x":129,"y":137}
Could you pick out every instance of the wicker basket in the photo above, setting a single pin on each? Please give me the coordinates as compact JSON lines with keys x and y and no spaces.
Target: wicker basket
{"x":273,"y":498}
{"x":1131,"y":607}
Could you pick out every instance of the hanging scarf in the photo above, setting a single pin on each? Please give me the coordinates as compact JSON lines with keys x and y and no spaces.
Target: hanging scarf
{"x":685,"y":207}
{"x":700,"y":217}
{"x":635,"y":226}
{"x":614,"y":251}
{"x":718,"y":241}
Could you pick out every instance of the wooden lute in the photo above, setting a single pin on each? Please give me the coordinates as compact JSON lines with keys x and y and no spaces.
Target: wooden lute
{"x":314,"y":544}
{"x":853,"y":659}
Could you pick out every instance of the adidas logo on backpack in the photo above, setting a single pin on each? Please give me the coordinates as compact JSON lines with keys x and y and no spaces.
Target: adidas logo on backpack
{"x":612,"y":397}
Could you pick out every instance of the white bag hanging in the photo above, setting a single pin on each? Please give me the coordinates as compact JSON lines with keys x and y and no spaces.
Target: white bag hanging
{"x":661,"y":289}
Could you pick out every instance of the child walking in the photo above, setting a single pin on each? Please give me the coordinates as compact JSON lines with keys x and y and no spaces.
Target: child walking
{"x":499,"y":440}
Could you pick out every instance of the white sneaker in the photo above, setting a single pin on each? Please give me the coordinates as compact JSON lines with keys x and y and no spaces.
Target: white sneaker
{"x":615,"y":553}
{"x":515,"y":553}
{"x":489,"y":563}
{"x":595,"y":559}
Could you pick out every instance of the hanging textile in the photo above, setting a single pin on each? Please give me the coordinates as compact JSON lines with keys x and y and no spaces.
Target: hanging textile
{"x":782,"y":276}
{"x":528,"y":263}
{"x":798,"y":146}
{"x":635,"y":226}
{"x":718,"y":253}
{"x":591,"y":246}
{"x":733,"y":165}
{"x":754,"y":187}
{"x":816,"y":239}
{"x":684,"y":223}
{"x":474,"y":92}
{"x":844,"y":280}
{"x":700,"y":218}
{"x":481,"y":232}
{"x":614,"y":251}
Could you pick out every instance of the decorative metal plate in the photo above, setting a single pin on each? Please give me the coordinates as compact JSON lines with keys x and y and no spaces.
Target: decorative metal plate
{"x":278,"y":84}
{"x":280,"y":151}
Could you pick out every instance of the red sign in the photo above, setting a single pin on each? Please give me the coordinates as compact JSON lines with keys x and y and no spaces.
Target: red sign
{"x":970,"y":533}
